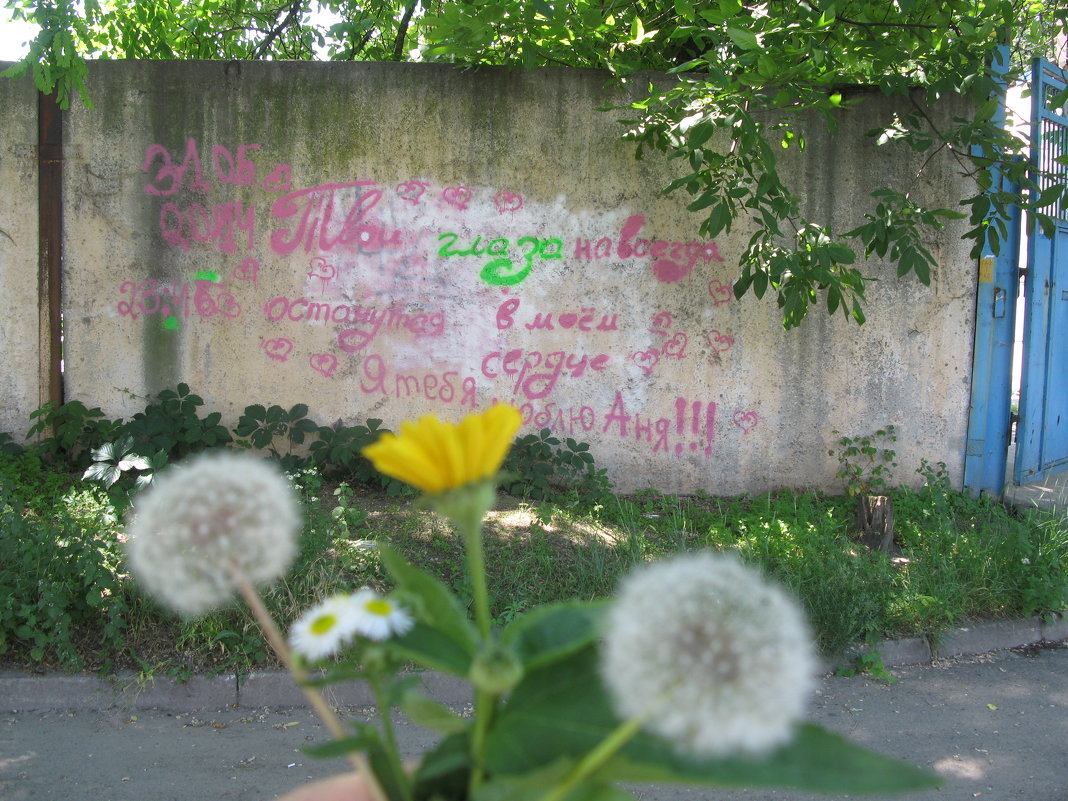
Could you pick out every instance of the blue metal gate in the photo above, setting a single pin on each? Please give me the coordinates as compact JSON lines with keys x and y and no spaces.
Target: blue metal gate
{"x":1042,"y":430}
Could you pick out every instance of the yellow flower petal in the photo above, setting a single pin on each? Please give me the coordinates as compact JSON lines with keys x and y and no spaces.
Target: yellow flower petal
{"x":436,"y":457}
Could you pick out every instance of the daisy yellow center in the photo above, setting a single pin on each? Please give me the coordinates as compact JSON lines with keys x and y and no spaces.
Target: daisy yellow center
{"x":323,"y":624}
{"x":379,"y":607}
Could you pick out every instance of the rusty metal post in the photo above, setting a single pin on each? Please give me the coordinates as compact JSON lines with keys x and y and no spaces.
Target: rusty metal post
{"x":50,"y":243}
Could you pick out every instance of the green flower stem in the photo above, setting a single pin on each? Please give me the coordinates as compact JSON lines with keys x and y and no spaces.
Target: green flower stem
{"x":465,"y":507}
{"x":595,"y":759}
{"x":484,"y":709}
{"x":396,"y":766}
{"x":300,"y":676}
{"x":471,"y":528}
{"x":476,"y":565}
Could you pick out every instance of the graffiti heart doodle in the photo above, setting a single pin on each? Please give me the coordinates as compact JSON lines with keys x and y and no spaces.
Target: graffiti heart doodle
{"x":746,"y":421}
{"x":324,"y":363}
{"x":508,"y":201}
{"x":676,"y":346}
{"x":323,"y":270}
{"x":278,"y":349}
{"x":279,"y":180}
{"x":661,"y":323}
{"x":411,"y":191}
{"x":248,"y":270}
{"x":458,"y":196}
{"x":719,"y":342}
{"x":646,"y":359}
{"x":720,"y":293}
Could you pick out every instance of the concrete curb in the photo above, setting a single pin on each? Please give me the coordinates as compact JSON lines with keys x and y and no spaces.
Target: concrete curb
{"x":25,"y":692}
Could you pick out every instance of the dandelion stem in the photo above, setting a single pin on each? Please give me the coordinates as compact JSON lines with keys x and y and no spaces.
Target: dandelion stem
{"x":595,"y":759}
{"x":300,"y":676}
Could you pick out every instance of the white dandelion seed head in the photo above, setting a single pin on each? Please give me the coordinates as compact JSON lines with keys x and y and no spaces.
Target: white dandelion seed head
{"x":379,"y":618}
{"x":715,"y":658}
{"x":205,"y":518}
{"x":322,"y":630}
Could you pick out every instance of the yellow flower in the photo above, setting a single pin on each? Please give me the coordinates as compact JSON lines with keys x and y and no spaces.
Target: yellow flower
{"x":436,"y":457}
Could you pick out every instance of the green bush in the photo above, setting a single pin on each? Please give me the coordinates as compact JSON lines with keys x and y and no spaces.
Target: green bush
{"x":541,"y":466}
{"x":60,"y":577}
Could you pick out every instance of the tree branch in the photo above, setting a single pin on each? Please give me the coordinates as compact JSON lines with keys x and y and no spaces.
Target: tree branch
{"x":402,"y":30}
{"x":294,"y":9}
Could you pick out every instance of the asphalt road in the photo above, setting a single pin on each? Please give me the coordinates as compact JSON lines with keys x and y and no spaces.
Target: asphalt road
{"x":995,"y":726}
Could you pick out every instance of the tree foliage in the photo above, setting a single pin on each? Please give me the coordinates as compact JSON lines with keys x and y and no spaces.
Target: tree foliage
{"x":749,"y":75}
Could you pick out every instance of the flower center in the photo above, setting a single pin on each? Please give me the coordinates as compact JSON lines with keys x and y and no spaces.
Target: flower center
{"x":378,"y":606}
{"x":323,"y":624}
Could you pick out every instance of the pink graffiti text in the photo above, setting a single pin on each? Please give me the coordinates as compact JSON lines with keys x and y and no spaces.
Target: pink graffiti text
{"x":169,"y":177}
{"x":672,"y":261}
{"x":443,"y":387}
{"x":173,"y":299}
{"x":693,"y":428}
{"x":570,"y":420}
{"x":182,"y":227}
{"x":372,"y":318}
{"x":536,"y":373}
{"x":582,"y":320}
{"x":330,"y":216}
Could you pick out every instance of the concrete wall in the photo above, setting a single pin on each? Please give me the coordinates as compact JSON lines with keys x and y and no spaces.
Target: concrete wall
{"x":22,"y":383}
{"x":389,"y":240}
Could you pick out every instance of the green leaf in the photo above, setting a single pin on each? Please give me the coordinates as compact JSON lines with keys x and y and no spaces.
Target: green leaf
{"x":550,"y":633}
{"x":437,"y":607}
{"x":564,"y":711}
{"x":431,"y":714}
{"x":443,"y":771}
{"x":746,"y":40}
{"x":534,"y":785}
{"x":103,"y":472}
{"x":433,"y":649}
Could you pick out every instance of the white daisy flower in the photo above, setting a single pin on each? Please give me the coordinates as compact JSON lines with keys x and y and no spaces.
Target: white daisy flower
{"x":322,"y":630}
{"x":206,"y":519}
{"x":379,"y":617}
{"x":714,"y":658}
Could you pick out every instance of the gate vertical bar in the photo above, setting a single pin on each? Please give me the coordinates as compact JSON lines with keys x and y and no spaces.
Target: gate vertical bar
{"x":50,"y":242}
{"x":1042,"y":431}
{"x":986,"y":456}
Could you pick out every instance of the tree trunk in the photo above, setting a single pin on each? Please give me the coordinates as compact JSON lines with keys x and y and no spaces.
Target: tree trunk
{"x":875,"y":522}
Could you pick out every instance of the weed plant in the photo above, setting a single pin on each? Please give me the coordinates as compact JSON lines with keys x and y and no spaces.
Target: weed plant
{"x":66,"y":601}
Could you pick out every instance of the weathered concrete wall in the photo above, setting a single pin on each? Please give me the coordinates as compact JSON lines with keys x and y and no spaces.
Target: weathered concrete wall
{"x":21,"y":381}
{"x":389,"y":240}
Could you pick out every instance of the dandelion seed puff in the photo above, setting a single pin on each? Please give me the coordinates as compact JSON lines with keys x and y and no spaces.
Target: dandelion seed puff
{"x":712,"y":656}
{"x":379,"y":618}
{"x":207,"y":518}
{"x":322,"y":630}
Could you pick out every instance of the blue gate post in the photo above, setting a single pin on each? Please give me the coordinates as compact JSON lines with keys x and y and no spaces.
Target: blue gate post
{"x":995,"y":324}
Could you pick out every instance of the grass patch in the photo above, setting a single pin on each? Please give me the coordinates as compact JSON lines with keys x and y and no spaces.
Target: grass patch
{"x":66,"y":601}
